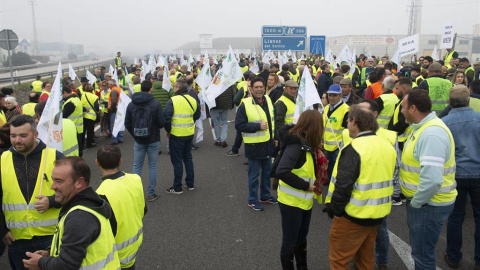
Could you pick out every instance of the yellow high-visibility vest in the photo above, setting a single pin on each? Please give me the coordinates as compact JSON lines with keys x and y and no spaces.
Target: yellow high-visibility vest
{"x":182,"y":120}
{"x":256,"y":114}
{"x":333,"y":132}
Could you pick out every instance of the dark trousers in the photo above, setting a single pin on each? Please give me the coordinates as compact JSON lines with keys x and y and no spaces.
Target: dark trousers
{"x":81,"y":142}
{"x":295,"y":225}
{"x":89,"y":129}
{"x":17,"y":250}
{"x":332,"y":158}
{"x":238,"y":142}
{"x":181,"y":153}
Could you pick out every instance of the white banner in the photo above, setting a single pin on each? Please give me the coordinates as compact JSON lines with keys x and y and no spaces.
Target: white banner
{"x":408,"y":46}
{"x":448,"y":36}
{"x":71,"y":72}
{"x":119,"y":124}
{"x":307,"y":95}
{"x":435,"y":55}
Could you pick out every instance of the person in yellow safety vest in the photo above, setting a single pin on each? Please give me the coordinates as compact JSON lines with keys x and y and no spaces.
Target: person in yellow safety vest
{"x":124,"y":192}
{"x":36,"y":85}
{"x":369,"y":68}
{"x":105,"y":117}
{"x":91,"y":109}
{"x":474,"y":100}
{"x":437,"y":87}
{"x":427,"y":176}
{"x":29,"y":108}
{"x":316,"y":68}
{"x":285,"y":107}
{"x":449,"y":56}
{"x":243,"y":66}
{"x":397,"y":123}
{"x":299,"y":185}
{"x":182,"y":72}
{"x":181,"y":112}
{"x":137,"y":87}
{"x":46,"y":88}
{"x":83,"y":82}
{"x":132,"y":73}
{"x":122,"y":82}
{"x":73,"y":110}
{"x":334,"y":121}
{"x":416,"y":76}
{"x":84,"y":237}
{"x":3,"y":118}
{"x":345,"y":69}
{"x":386,"y":102}
{"x":69,"y":132}
{"x":29,"y":225}
{"x":469,"y":71}
{"x":118,"y":60}
{"x":255,"y":119}
{"x":294,"y":72}
{"x":359,"y":194}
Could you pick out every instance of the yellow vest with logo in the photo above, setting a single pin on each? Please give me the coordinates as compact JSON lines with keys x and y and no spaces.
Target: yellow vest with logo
{"x":77,"y":115}
{"x":37,"y":86}
{"x":182,"y":120}
{"x":296,"y":197}
{"x":410,"y":167}
{"x":87,"y":99}
{"x":256,"y":114}
{"x":69,"y":135}
{"x":29,"y":108}
{"x":101,"y":254}
{"x":408,"y":131}
{"x":125,"y":195}
{"x":389,"y":102}
{"x":372,"y":192}
{"x":290,"y":108}
{"x":333,"y":132}
{"x":21,"y":218}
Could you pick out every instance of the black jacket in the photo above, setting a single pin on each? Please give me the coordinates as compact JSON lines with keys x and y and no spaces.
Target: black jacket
{"x":74,"y":244}
{"x":69,"y":108}
{"x":294,"y":156}
{"x":276,"y":93}
{"x":225,"y":100}
{"x":169,"y":109}
{"x":158,"y":120}
{"x":280,"y":112}
{"x":255,"y":150}
{"x":323,"y":83}
{"x":348,"y":172}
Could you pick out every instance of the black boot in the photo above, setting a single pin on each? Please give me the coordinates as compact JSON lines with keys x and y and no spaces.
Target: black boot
{"x":301,"y":256}
{"x":287,"y":261}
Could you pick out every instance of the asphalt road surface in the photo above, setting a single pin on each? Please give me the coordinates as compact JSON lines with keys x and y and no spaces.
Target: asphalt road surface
{"x":212,"y":227}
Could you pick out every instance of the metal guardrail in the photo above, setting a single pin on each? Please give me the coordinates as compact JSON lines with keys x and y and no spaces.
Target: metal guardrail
{"x":19,"y":79}
{"x":23,"y":67}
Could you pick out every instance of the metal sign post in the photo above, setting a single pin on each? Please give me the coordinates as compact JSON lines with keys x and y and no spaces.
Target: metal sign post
{"x":9,"y":41}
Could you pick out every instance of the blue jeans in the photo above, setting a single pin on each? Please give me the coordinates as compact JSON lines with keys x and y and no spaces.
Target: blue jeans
{"x":455,"y":221}
{"x":332,"y":158}
{"x":139,"y":152}
{"x":181,"y":153}
{"x":381,"y":243}
{"x":220,"y":118}
{"x":119,"y":137}
{"x":254,"y":166}
{"x":295,"y":226}
{"x":16,"y":251}
{"x":425,"y":225}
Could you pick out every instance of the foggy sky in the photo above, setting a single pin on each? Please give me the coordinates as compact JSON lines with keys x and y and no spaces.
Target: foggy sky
{"x":136,"y":27}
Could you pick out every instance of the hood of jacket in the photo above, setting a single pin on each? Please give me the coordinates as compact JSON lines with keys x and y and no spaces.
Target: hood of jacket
{"x":141,"y":98}
{"x":157,"y":85}
{"x":88,"y":198}
{"x":286,"y":137}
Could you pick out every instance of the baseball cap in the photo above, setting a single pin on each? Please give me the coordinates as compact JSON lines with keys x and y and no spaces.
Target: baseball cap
{"x":334,"y":89}
{"x":435,"y":67}
{"x":404,"y":72}
{"x":291,"y":83}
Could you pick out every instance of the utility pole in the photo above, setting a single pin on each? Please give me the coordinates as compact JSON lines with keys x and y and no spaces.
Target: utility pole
{"x":32,"y":3}
{"x":415,"y":17}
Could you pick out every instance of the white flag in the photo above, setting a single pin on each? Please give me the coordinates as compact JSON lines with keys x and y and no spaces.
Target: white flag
{"x":329,"y":56}
{"x":225,"y":77}
{"x":115,"y":77}
{"x":111,"y":70}
{"x":254,"y":68}
{"x":71,"y":72}
{"x":119,"y":124}
{"x":130,"y":85}
{"x":135,"y":61}
{"x":204,"y":78}
{"x":161,"y":61}
{"x":199,"y":122}
{"x":166,"y":83}
{"x":50,"y":124}
{"x":307,"y":95}
{"x":91,"y":78}
{"x":435,"y":54}
{"x":396,"y":58}
{"x":190,"y":58}
{"x":353,"y":61}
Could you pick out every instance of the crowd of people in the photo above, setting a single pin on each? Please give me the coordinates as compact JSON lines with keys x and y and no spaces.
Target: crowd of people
{"x":382,"y":135}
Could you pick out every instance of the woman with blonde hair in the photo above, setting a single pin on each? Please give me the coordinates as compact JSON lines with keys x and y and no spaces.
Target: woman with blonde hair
{"x":459,"y":78}
{"x":300,"y":182}
{"x":274,"y":87}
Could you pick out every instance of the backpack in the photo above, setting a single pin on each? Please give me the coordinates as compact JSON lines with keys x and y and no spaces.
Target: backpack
{"x":142,"y":121}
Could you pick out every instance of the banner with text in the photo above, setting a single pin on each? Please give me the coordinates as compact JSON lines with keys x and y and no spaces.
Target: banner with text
{"x":448,"y":36}
{"x":408,"y":46}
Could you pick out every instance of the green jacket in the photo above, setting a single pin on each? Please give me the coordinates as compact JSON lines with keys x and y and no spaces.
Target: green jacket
{"x":161,"y":94}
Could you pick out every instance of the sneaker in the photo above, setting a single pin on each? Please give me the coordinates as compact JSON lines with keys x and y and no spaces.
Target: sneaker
{"x":256,"y":206}
{"x":404,"y":199}
{"x":189,"y":188}
{"x":160,"y":152}
{"x":218,"y":144}
{"x":272,"y":200}
{"x":194,"y":147}
{"x":451,"y":264}
{"x":396,"y":201}
{"x":120,"y":141}
{"x":153,"y":197}
{"x":173,"y":191}
{"x":224,"y":144}
{"x":232,"y":154}
{"x":113,"y":143}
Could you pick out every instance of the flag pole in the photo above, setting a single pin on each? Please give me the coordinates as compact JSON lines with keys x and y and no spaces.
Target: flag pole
{"x":50,"y":123}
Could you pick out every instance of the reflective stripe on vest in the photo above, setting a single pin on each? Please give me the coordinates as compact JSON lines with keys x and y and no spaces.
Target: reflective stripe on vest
{"x":296,"y":197}
{"x":21,"y":218}
{"x":101,"y":254}
{"x":256,"y":114}
{"x":126,"y":197}
{"x":182,"y":119}
{"x":290,"y":108}
{"x":410,"y":168}
{"x":88,"y":98}
{"x":333,"y":132}
{"x":389,"y":102}
{"x":448,"y":58}
{"x":70,"y":142}
{"x":77,"y":115}
{"x":408,"y":131}
{"x":372,"y":191}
